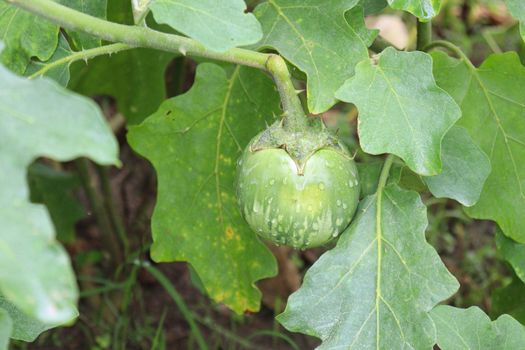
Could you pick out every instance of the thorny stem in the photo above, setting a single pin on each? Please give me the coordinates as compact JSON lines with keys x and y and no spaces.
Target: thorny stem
{"x":294,"y":117}
{"x":81,"y":55}
{"x":139,"y":36}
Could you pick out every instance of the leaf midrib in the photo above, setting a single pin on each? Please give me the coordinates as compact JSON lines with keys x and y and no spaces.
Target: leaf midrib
{"x":227,"y":97}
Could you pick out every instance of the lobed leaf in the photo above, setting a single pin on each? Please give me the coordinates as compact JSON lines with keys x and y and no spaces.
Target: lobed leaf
{"x":82,"y":41}
{"x":510,"y":300}
{"x":315,"y":36}
{"x":465,"y":169}
{"x":59,"y":73}
{"x":219,"y":25}
{"x":23,"y":327}
{"x":373,"y":6}
{"x":493,"y":106}
{"x":136,"y":80}
{"x":375,"y":288}
{"x":6,"y":326}
{"x":25,"y":35}
{"x":40,"y":119}
{"x":472,"y":329}
{"x":193,"y":141}
{"x":513,"y":252}
{"x":401,"y":109}
{"x":422,"y":9}
{"x":517,"y":10}
{"x":54,"y":188}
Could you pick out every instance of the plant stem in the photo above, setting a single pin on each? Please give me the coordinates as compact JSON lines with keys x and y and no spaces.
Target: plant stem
{"x":424,"y":34}
{"x":111,"y":208}
{"x":451,"y":47}
{"x":98,"y":209}
{"x":294,"y":117}
{"x":137,"y":36}
{"x":134,"y":35}
{"x":81,"y":55}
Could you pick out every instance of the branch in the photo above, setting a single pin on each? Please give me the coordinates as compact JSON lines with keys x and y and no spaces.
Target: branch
{"x":139,"y":36}
{"x":81,"y":55}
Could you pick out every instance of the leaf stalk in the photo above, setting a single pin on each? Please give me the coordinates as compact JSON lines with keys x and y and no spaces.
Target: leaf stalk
{"x":450,"y":47}
{"x":81,"y":55}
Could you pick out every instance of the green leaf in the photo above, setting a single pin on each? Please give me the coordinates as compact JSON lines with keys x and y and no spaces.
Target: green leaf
{"x":135,"y":78}
{"x":96,"y":8}
{"x":54,"y":189}
{"x":6,"y":326}
{"x":368,"y":177}
{"x":315,"y":36}
{"x":401,"y":109}
{"x":472,"y":329}
{"x":510,"y":300}
{"x":465,"y":169}
{"x":59,"y":73}
{"x":422,"y":9}
{"x":219,"y":25}
{"x":193,"y":141}
{"x":517,"y":10}
{"x":373,"y":6}
{"x":40,"y":119}
{"x":513,"y":252}
{"x":375,"y":288}
{"x":492,"y":103}
{"x":82,"y":41}
{"x":23,"y":327}
{"x":25,"y":36}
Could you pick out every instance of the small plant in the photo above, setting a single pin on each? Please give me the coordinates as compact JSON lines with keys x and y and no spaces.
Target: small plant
{"x":245,"y":156}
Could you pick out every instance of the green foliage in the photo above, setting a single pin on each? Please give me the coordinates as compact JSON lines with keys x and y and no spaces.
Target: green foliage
{"x":23,"y":327}
{"x":513,"y":252}
{"x":193,"y":141}
{"x":129,"y":71}
{"x":6,"y":326}
{"x":380,"y":280}
{"x":303,"y":32}
{"x":510,"y":300}
{"x":472,"y":329}
{"x":423,"y":9}
{"x":398,"y":103}
{"x":53,"y":188}
{"x":62,"y":126}
{"x":458,"y":131}
{"x":59,"y":73}
{"x":491,"y":100}
{"x":218,"y":25}
{"x":373,"y":6}
{"x":465,"y":169}
{"x":25,"y":36}
{"x":97,"y":8}
{"x":517,"y":9}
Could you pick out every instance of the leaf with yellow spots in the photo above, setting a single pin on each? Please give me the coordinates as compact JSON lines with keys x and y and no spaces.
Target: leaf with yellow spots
{"x":322,"y":38}
{"x":193,"y":141}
